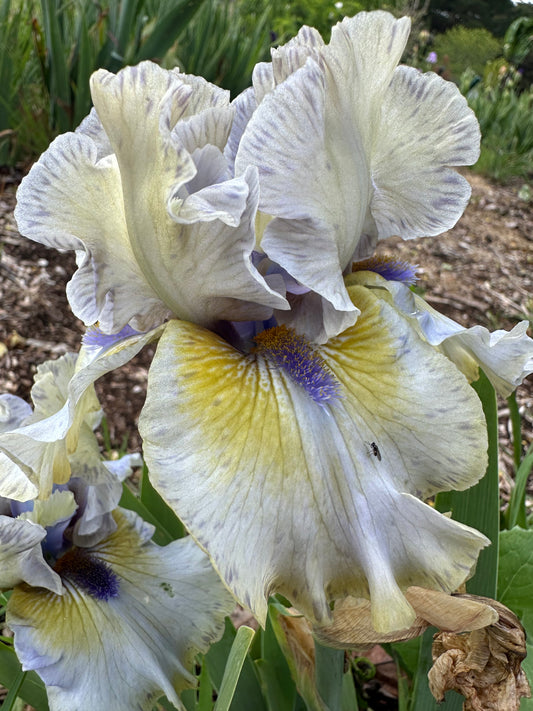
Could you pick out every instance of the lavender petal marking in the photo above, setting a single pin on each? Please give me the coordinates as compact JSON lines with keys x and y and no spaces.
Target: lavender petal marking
{"x":389,"y":268}
{"x":95,"y":338}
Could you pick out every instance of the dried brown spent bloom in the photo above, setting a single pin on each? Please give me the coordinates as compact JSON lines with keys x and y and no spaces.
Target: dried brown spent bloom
{"x":352,"y":620}
{"x":483,"y":665}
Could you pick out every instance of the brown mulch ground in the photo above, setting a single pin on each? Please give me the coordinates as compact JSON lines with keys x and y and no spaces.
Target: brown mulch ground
{"x":479,"y":272}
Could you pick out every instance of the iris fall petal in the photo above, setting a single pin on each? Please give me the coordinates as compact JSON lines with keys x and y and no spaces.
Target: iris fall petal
{"x":288,"y":495}
{"x":123,"y":652}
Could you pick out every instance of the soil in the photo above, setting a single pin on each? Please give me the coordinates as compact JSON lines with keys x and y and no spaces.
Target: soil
{"x":480,"y":272}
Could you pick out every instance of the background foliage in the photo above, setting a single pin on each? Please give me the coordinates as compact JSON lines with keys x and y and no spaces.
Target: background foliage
{"x":55,"y":45}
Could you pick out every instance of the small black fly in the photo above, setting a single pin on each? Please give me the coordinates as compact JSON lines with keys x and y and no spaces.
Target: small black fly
{"x":374,"y":449}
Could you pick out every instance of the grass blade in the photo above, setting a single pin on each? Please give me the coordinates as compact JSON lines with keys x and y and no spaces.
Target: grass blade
{"x":329,"y":675}
{"x":516,"y":511}
{"x":11,"y":698}
{"x":58,"y":73}
{"x":31,"y":688}
{"x":516,"y":426}
{"x":167,"y":29}
{"x":239,"y":650}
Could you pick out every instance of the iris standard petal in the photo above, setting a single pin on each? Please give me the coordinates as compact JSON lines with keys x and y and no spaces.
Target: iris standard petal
{"x":425,"y":127}
{"x":288,"y":131}
{"x":132,"y":215}
{"x":155,"y":170}
{"x":122,"y":652}
{"x":309,"y":204}
{"x":318,"y":500}
{"x":328,"y":114}
{"x":350,"y":148}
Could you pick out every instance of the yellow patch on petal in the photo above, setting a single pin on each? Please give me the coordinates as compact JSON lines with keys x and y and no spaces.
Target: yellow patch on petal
{"x":289,"y":495}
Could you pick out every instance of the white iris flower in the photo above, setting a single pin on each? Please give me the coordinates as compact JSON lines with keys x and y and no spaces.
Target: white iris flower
{"x":298,"y":446}
{"x":93,"y":594}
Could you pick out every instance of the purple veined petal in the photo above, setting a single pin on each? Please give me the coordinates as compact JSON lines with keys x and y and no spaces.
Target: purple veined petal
{"x":335,"y":127}
{"x":426,"y":128}
{"x":140,"y":251}
{"x":13,"y":411}
{"x":241,"y":450}
{"x":128,"y":625}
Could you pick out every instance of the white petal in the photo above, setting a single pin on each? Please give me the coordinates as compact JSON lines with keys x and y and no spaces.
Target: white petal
{"x":244,"y":106}
{"x":21,"y":556}
{"x":211,"y":200}
{"x":178,"y":261}
{"x":35,"y":456}
{"x":425,"y":127}
{"x":97,"y":490}
{"x":361,"y":56}
{"x":123,"y":652}
{"x":350,"y":148}
{"x":92,"y":126}
{"x":243,"y":454}
{"x":303,"y":180}
{"x":211,"y":127}
{"x":72,"y":200}
{"x":506,"y":357}
{"x":136,"y":263}
{"x":13,"y":411}
{"x":316,"y":318}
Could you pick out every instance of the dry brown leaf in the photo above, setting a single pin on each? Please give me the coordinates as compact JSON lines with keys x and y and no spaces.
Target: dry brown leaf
{"x":352,"y":626}
{"x":483,"y":665}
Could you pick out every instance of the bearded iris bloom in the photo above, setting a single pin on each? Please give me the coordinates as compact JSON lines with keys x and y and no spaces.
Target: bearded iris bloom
{"x":106,"y":618}
{"x":264,"y":414}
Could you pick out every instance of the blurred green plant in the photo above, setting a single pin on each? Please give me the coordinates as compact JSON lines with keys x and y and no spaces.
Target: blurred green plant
{"x":518,"y":40}
{"x":16,"y":72}
{"x":466,"y":48}
{"x":57,"y":44}
{"x":224,"y":42}
{"x":82,"y":36}
{"x":290,"y":15}
{"x":504,"y":117}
